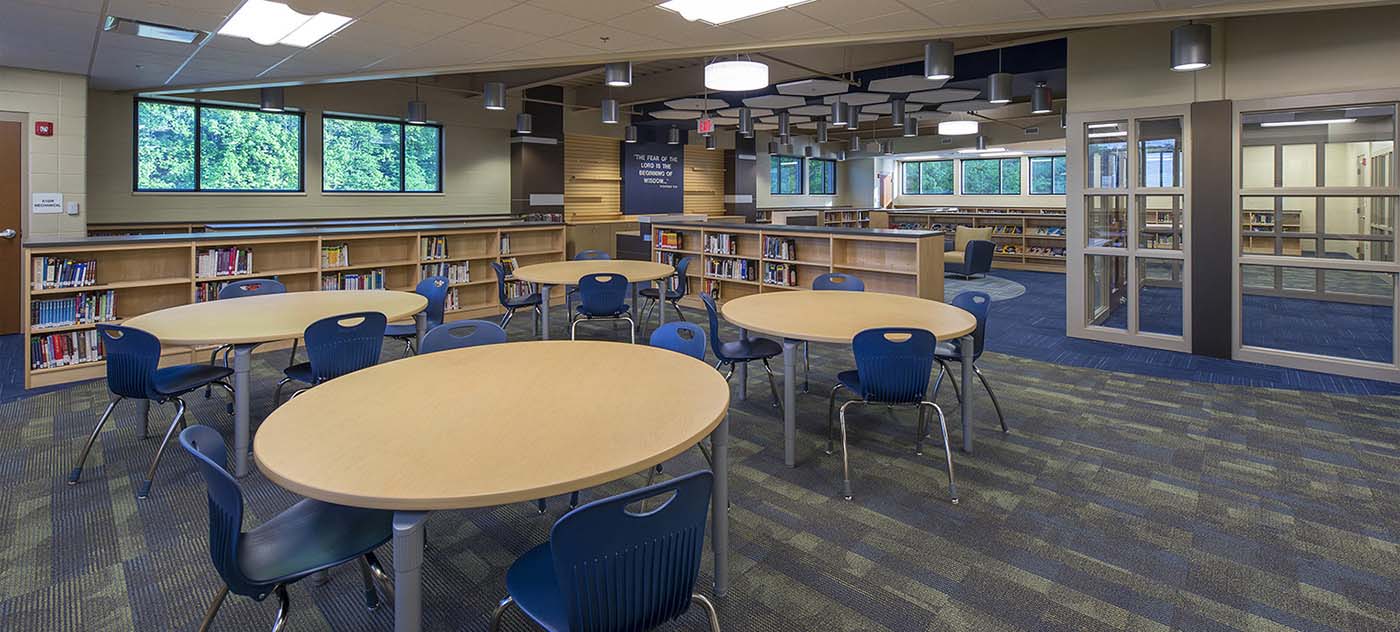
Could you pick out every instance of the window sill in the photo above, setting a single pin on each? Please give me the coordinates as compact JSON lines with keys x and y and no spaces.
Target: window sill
{"x":222,"y":193}
{"x":384,"y":194}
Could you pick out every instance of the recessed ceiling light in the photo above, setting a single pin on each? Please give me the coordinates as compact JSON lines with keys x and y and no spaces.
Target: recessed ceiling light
{"x":717,"y":12}
{"x":1301,"y":123}
{"x":269,"y":23}
{"x":151,"y":30}
{"x":1106,"y":134}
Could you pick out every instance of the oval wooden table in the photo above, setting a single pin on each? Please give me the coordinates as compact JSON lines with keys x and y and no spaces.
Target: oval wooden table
{"x":492,"y":425}
{"x":569,"y":272}
{"x":252,"y":320}
{"x":836,"y":317}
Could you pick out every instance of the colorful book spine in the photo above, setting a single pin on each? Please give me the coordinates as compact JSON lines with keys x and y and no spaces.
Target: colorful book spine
{"x":84,"y":308}
{"x":65,"y":349}
{"x":58,"y":272}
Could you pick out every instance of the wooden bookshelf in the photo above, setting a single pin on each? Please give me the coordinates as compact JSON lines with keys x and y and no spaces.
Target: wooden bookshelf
{"x":908,"y":262}
{"x":149,"y":272}
{"x":846,"y":217}
{"x":1016,"y":232}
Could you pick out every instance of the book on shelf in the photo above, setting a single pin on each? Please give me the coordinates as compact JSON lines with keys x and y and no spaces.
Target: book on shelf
{"x":669,"y":239}
{"x":721,"y":244}
{"x":738,"y":269}
{"x":366,"y":280}
{"x":780,"y":274}
{"x":712,"y":288}
{"x":509,"y":264}
{"x":453,"y":300}
{"x":80,"y":309}
{"x":213,"y":262}
{"x":58,"y":272}
{"x":779,"y":248}
{"x":505,"y":243}
{"x":671,"y":259}
{"x":459,"y":272}
{"x":434,"y":247}
{"x":337,"y":256}
{"x":65,"y":349}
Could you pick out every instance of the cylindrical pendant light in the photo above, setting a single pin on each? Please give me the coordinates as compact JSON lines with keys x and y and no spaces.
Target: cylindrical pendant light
{"x":417,"y":111}
{"x":838,"y":114}
{"x":841,"y":155}
{"x":524,"y":123}
{"x":1064,"y":119}
{"x":493,"y":96}
{"x":938,"y":60}
{"x":746,"y":122}
{"x":852,"y":115}
{"x":999,"y":88}
{"x":785,"y":139}
{"x":272,"y":100}
{"x":610,"y":111}
{"x":821,"y":132}
{"x":630,"y":135}
{"x":673,"y":136}
{"x":887,"y":147}
{"x":774,"y":147}
{"x":783,"y":124}
{"x":1191,"y":47}
{"x":855,"y":142}
{"x":1042,"y":100}
{"x":897,"y":113}
{"x":911,"y":127}
{"x":809,"y":151}
{"x":618,"y":74}
{"x":981,"y":142}
{"x":711,"y":142}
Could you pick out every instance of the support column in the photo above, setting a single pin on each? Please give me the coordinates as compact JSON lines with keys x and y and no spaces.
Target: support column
{"x":1212,"y":228}
{"x":537,"y":158}
{"x":740,"y":182}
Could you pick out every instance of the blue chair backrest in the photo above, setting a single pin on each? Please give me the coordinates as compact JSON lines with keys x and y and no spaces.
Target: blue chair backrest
{"x":838,"y":281}
{"x":681,"y":337}
{"x":894,"y":363}
{"x":602,"y":294}
{"x":462,"y":333}
{"x":978,"y":256}
{"x":682,"y":281}
{"x":978,"y":303}
{"x":433,"y":288}
{"x":225,"y":507}
{"x":132,"y":358}
{"x":251,"y":287}
{"x":621,"y":570}
{"x":500,"y":281}
{"x":344,"y":344}
{"x":713,"y":313}
{"x":592,"y":255}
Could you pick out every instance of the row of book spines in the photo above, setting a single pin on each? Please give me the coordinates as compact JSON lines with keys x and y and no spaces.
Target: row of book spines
{"x":74,"y":310}
{"x":519,"y":289}
{"x":65,"y":349}
{"x":335,"y":256}
{"x":53,"y":272}
{"x":223,"y":262}
{"x":669,"y":239}
{"x":721,"y":243}
{"x":454,"y":272}
{"x":433,"y":247}
{"x":742,"y":269}
{"x":780,"y":274}
{"x":368,"y":280}
{"x":778,"y":248}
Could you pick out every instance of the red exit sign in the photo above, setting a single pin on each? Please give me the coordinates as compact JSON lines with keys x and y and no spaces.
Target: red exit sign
{"x":43,"y":128}
{"x":705,"y":126}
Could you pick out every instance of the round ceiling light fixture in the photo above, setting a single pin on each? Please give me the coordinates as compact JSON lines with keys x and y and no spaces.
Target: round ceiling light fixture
{"x":957,"y":128}
{"x":736,"y":75}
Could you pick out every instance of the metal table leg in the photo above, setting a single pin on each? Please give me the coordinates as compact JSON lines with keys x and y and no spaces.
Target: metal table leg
{"x":790,"y":402}
{"x":661,"y":287}
{"x":719,"y":505}
{"x":420,"y":322}
{"x":408,"y":567}
{"x":965,"y":402}
{"x":741,"y":370}
{"x":544,"y":311}
{"x":637,"y":327}
{"x":242,"y":431}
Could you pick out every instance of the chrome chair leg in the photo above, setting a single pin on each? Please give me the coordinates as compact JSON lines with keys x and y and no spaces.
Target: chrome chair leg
{"x":284,"y":609}
{"x":995,"y":403}
{"x":942,"y":369}
{"x":947,"y":450}
{"x":919,"y":433}
{"x":631,"y":328}
{"x":773,"y":385}
{"x":540,"y":506}
{"x":371,"y":594}
{"x":277,"y":392}
{"x":676,"y":304}
{"x":179,"y":422}
{"x":386,"y":583}
{"x":500,"y":610}
{"x":505,"y":318}
{"x":830,"y":414}
{"x":709,"y":610}
{"x":213,"y":609}
{"x":845,"y":454}
{"x":573,"y":500}
{"x":806,"y":366}
{"x":145,"y":419}
{"x":293,"y":359}
{"x":77,"y":471}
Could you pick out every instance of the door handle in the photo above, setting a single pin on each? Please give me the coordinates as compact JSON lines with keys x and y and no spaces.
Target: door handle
{"x":8,"y":233}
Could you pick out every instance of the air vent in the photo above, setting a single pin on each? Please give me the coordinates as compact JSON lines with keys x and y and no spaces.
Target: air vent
{"x":1032,"y":131}
{"x":151,"y":30}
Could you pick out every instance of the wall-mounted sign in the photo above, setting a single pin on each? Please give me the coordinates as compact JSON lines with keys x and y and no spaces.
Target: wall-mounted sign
{"x":705,"y":126}
{"x":44,"y":203}
{"x":43,"y":128}
{"x":653,"y":178}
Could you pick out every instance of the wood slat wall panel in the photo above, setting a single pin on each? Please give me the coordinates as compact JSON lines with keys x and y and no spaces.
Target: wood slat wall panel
{"x":704,"y":180}
{"x":592,"y":178}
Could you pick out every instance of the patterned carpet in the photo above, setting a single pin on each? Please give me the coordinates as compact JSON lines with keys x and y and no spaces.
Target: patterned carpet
{"x":1118,"y":502}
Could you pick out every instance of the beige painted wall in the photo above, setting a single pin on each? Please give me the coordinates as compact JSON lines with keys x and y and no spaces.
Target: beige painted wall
{"x":54,"y":164}
{"x":1050,"y":138}
{"x":854,"y":179}
{"x":476,"y":167}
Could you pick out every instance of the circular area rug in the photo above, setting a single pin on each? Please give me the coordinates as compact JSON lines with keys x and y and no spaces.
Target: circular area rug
{"x":1000,"y":289}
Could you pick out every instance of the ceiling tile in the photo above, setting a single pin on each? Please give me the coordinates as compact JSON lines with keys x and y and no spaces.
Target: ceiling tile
{"x":813,"y":87}
{"x":169,"y":14}
{"x":528,"y":18}
{"x":774,"y":101}
{"x":548,"y":48}
{"x":594,"y":10}
{"x":397,"y":16}
{"x":791,"y":119}
{"x":441,"y":52}
{"x":472,"y":10}
{"x":888,"y":23}
{"x":1081,"y":8}
{"x":858,"y":98}
{"x":967,"y":12}
{"x":886,"y":108}
{"x":619,"y":40}
{"x":812,"y":110}
{"x":944,"y":95}
{"x":499,"y":37}
{"x":676,"y":115}
{"x":765,"y":127}
{"x":676,"y":30}
{"x":694,"y":103}
{"x":907,"y":83}
{"x":778,"y":25}
{"x":754,"y":112}
{"x":973,"y":105}
{"x":839,"y":12}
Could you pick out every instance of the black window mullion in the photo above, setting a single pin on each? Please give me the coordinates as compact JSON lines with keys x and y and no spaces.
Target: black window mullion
{"x":198,"y":168}
{"x":403,"y":149}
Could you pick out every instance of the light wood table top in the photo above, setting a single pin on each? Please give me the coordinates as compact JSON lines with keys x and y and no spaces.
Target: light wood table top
{"x":253,"y":319}
{"x":569,"y":272}
{"x":833,"y":316}
{"x":490,"y":425}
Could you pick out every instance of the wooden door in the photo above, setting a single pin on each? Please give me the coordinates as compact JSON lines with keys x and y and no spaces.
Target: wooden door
{"x":10,"y":217}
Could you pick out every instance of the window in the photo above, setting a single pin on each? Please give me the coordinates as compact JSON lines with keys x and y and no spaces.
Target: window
{"x":363,"y":155}
{"x":188,"y":147}
{"x":1048,"y":175}
{"x":929,"y":177}
{"x":821,"y":176}
{"x":785,"y":175}
{"x":992,"y":176}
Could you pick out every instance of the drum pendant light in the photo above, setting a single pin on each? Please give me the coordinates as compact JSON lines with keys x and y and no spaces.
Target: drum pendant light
{"x":746,"y":122}
{"x":673,"y":136}
{"x":938,"y":60}
{"x":493,"y":96}
{"x":855,"y":142}
{"x":711,"y":143}
{"x":630,"y":135}
{"x":272,"y":100}
{"x":610,"y":111}
{"x":852,"y":116}
{"x":897,"y":114}
{"x":911,"y":127}
{"x":1042,"y":100}
{"x":838,"y":113}
{"x":783,"y":124}
{"x":1191,"y":47}
{"x":774,"y":147}
{"x":524,"y":123}
{"x":618,"y":74}
{"x":821,"y":132}
{"x":999,"y":88}
{"x":417,"y":108}
{"x":809,"y":151}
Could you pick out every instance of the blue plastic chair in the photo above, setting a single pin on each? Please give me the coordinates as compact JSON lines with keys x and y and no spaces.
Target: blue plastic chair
{"x":584,"y":255}
{"x":651,"y":294}
{"x":829,"y":282}
{"x":892,"y":369}
{"x":977,"y":259}
{"x":308,"y":537}
{"x":979,"y":304}
{"x":336,"y":346}
{"x":433,"y":288}
{"x":681,"y":337}
{"x":462,"y":333}
{"x":741,"y":351}
{"x":533,"y":301}
{"x":239,"y":289}
{"x":609,"y":569}
{"x":603,"y":296}
{"x":133,"y":372}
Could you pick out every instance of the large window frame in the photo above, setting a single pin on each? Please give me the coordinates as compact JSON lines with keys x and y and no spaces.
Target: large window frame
{"x":778,"y":163}
{"x":1063,"y":184}
{"x":403,"y":154}
{"x":827,"y":168}
{"x":921,"y":165}
{"x":1001,"y":175}
{"x":199,"y":107}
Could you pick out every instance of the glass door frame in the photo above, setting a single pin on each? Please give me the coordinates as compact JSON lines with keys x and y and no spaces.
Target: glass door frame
{"x":1076,"y":223}
{"x":1296,"y":359}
